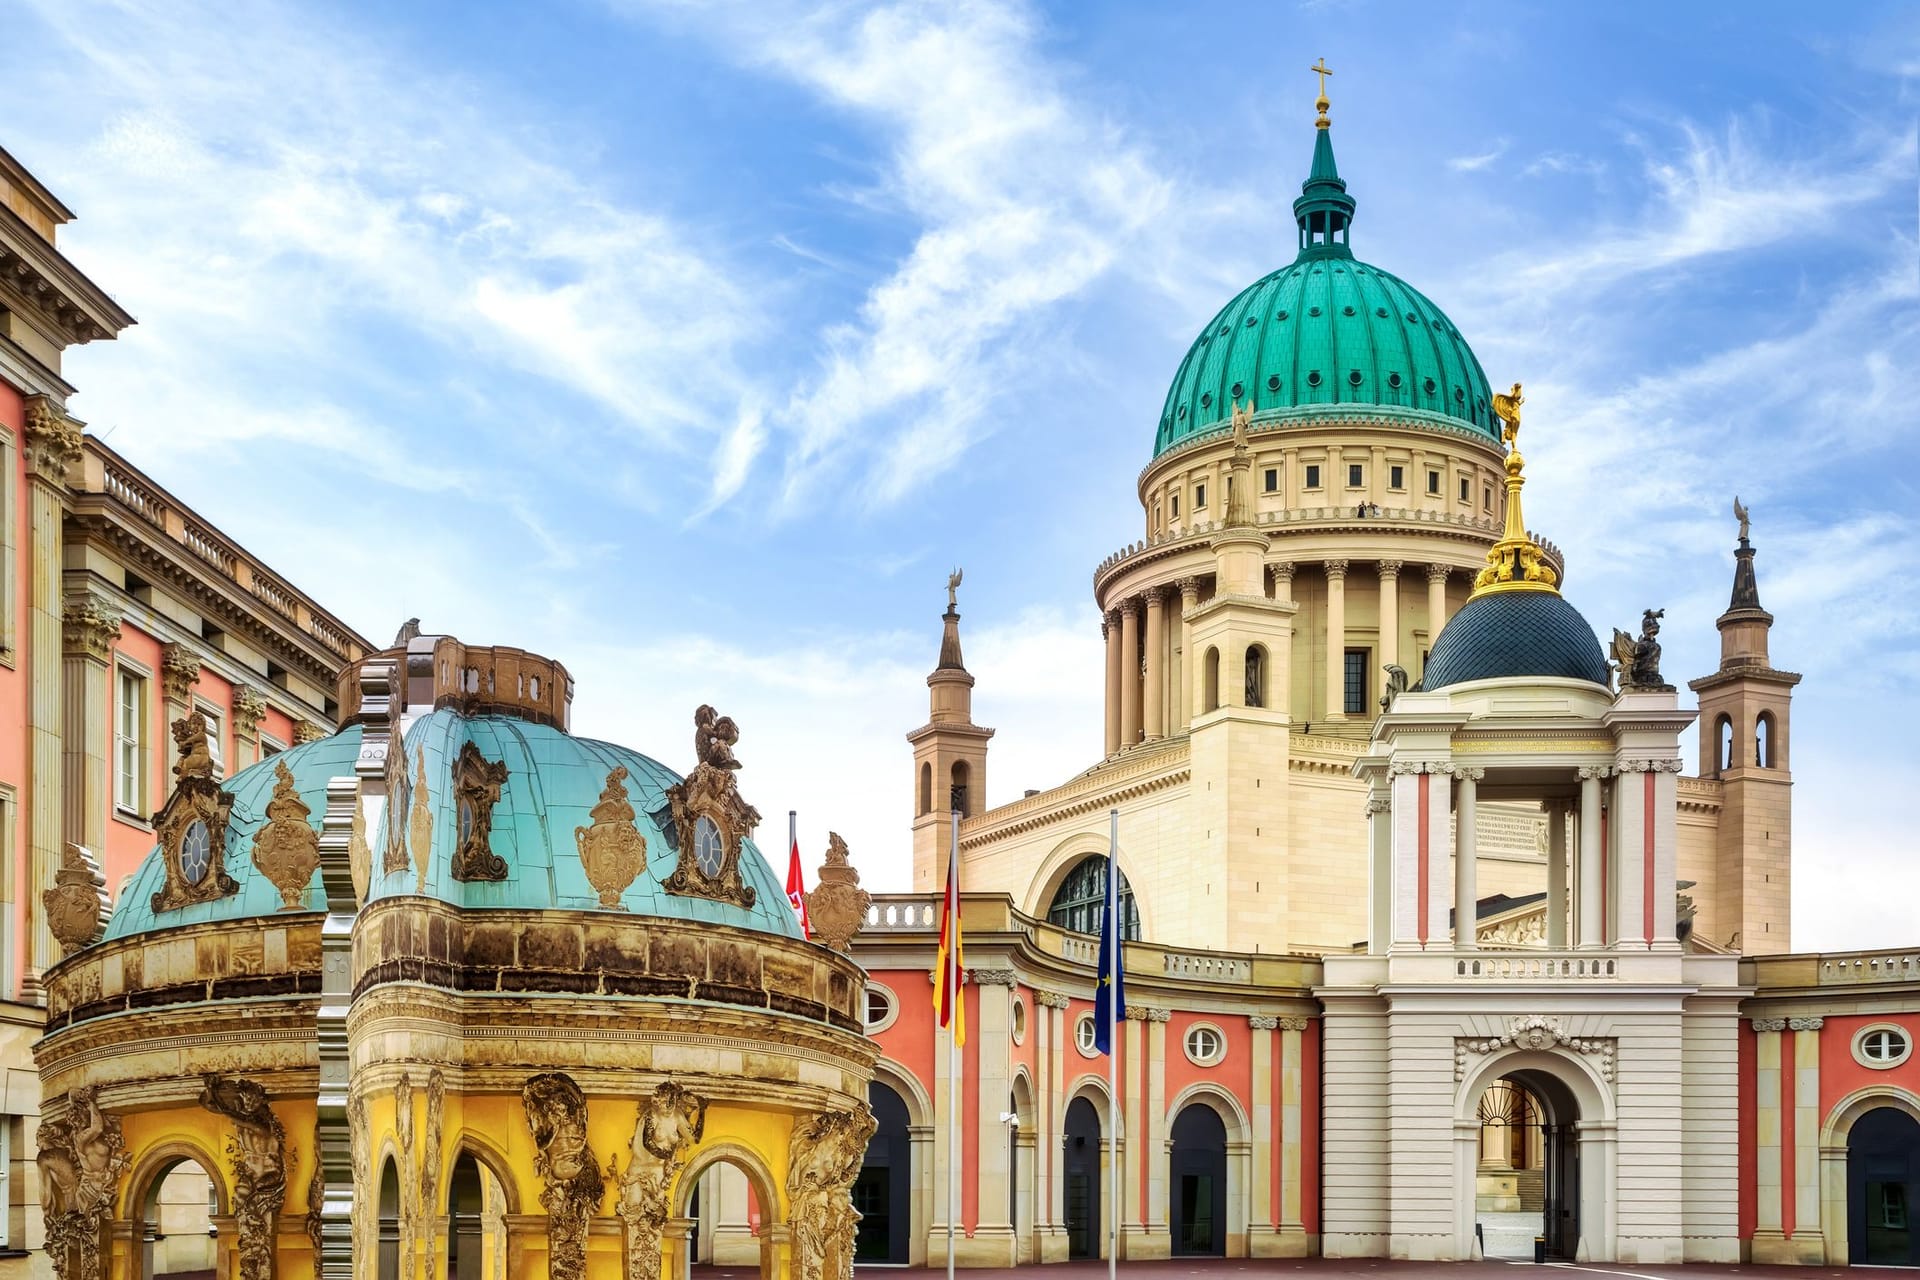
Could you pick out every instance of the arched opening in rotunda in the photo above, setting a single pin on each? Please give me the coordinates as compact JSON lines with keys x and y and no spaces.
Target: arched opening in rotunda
{"x":388,"y":1221}
{"x":179,"y":1206}
{"x":1524,"y":1178}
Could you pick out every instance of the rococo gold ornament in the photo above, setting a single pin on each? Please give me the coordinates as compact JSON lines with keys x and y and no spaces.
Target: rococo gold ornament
{"x":287,"y":849}
{"x":612,"y":850}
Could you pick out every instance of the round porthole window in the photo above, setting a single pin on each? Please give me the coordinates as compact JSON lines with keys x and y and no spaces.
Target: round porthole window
{"x":1354,"y":377}
{"x":1280,"y":315}
{"x":1205,"y":1044}
{"x":1313,"y":311}
{"x":1881,"y":1046}
{"x":1393,"y":380}
{"x":1273,"y":383}
{"x":1428,"y":386}
{"x":709,"y":850}
{"x":882,"y":1008}
{"x":1313,"y":378}
{"x":1346,"y":311}
{"x":1019,"y":1021}
{"x":1206,"y":400}
{"x":1252,"y":321}
{"x":1381,"y":312}
{"x":1084,"y":1036}
{"x":1238,"y":391}
{"x":196,"y":852}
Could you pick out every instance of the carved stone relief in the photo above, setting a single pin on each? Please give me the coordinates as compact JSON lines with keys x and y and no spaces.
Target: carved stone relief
{"x":362,"y":1144}
{"x":1536,"y":1031}
{"x":420,"y":822}
{"x":192,"y":825}
{"x":81,"y":1157}
{"x":430,"y":1170}
{"x":557,"y":1114}
{"x":316,"y":1196}
{"x":359,"y":853}
{"x":287,"y":849}
{"x":612,"y":850}
{"x":258,"y":1151}
{"x":89,"y":626}
{"x":710,"y":819}
{"x":669,"y":1125}
{"x":824,"y":1157}
{"x":476,"y":789}
{"x":403,"y":1134}
{"x":837,"y":907}
{"x":77,"y":907}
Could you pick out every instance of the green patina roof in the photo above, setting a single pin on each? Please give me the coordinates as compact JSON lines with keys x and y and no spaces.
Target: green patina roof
{"x":553,"y":782}
{"x":1326,"y":331}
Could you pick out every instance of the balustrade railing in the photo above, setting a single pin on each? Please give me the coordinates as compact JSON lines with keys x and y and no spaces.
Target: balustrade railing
{"x":1897,"y":966}
{"x":1550,"y":966}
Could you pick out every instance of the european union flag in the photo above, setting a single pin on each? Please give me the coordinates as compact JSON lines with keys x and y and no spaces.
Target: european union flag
{"x":1110,"y":998}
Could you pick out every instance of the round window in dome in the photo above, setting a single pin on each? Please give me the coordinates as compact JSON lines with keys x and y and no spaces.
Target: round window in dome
{"x":1354,"y":377}
{"x":1313,"y":378}
{"x":1428,"y":386}
{"x":1412,"y":318}
{"x":1273,"y":383}
{"x":1313,"y":311}
{"x":1206,"y":400}
{"x":1393,"y":380}
{"x":1183,"y":413}
{"x":1223,"y":330}
{"x":1381,"y":312}
{"x":1280,"y":315}
{"x":709,"y":850}
{"x":1238,"y":390}
{"x":1346,"y":311}
{"x":1252,"y":321}
{"x":466,"y":820}
{"x":1459,"y":396}
{"x":196,"y":852}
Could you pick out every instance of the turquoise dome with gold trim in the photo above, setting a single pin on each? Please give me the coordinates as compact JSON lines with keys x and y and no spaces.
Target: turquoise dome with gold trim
{"x":550,"y":786}
{"x":1324,"y":334}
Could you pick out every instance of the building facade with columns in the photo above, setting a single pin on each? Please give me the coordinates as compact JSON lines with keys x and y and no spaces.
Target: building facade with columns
{"x":124,"y":611}
{"x":1433,"y":947}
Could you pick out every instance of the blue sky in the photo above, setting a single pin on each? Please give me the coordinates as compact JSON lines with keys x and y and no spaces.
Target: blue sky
{"x":694,"y":344}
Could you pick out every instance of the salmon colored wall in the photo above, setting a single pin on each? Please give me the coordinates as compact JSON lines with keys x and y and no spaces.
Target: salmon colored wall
{"x":1840,"y":1075}
{"x":909,"y":1041}
{"x":129,"y":842}
{"x":1748,"y":1166}
{"x":1235,"y":1072}
{"x":13,"y":680}
{"x":278,"y":725}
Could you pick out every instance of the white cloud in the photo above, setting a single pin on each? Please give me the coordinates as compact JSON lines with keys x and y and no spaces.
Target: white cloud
{"x":1484,"y":160}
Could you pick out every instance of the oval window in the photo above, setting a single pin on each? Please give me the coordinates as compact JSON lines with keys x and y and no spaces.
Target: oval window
{"x":709,"y":850}
{"x":1313,"y":378}
{"x":1205,"y":1045}
{"x":1084,"y":1036}
{"x":1882,"y":1046}
{"x":196,"y":852}
{"x":1238,"y":390}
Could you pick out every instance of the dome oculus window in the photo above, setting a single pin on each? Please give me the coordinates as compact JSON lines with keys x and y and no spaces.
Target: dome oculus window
{"x":1346,"y":311}
{"x":882,"y":1008}
{"x":1393,"y":380}
{"x":1206,"y":400}
{"x":1313,"y":378}
{"x":1280,"y":315}
{"x":1238,"y":390}
{"x":1354,"y":377}
{"x":1313,"y":311}
{"x":1084,"y":1033}
{"x":1273,"y":383}
{"x":1205,"y":1044}
{"x":1882,"y":1046}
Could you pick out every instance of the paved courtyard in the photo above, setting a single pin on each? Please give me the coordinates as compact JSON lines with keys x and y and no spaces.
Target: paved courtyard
{"x":1329,"y":1268}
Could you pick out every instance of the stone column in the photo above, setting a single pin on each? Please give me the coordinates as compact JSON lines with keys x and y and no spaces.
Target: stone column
{"x":91,"y":627}
{"x":1805,"y":1173}
{"x":1466,"y":854}
{"x":1282,"y":580}
{"x":1436,"y":600}
{"x":1132,"y":1133}
{"x":993,"y":1229}
{"x":249,"y":709}
{"x":1156,"y":663}
{"x":1379,"y":872}
{"x":1265,"y":1131}
{"x":1110,"y":630}
{"x":1556,"y":876}
{"x":1769,"y":1235}
{"x":1129,"y":673}
{"x":1587,"y":863}
{"x":1631,"y":861}
{"x":179,"y":670}
{"x":1336,"y":639}
{"x":1154,"y":1212}
{"x":1050,"y":1232}
{"x":1189,"y":597}
{"x":1389,"y":613}
{"x":52,"y":447}
{"x":1292,"y":1155}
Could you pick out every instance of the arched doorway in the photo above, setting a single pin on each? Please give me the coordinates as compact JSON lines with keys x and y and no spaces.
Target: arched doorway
{"x":1197,"y":1183}
{"x":765,"y":1213}
{"x":1526,"y":1172}
{"x":1081,"y":1192}
{"x":883,"y":1191}
{"x":176,"y":1231}
{"x":1883,"y":1189}
{"x":387,"y":1257}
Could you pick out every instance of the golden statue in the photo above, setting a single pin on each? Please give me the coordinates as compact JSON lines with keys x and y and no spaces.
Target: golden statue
{"x":1506,"y":407}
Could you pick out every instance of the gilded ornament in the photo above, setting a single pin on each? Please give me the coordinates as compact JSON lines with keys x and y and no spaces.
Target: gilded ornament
{"x":824,"y":1157}
{"x":709,"y":863}
{"x":1506,"y":407}
{"x":476,"y":789}
{"x":81,"y":1157}
{"x":192,"y":825}
{"x":556,"y":1112}
{"x":837,"y":906}
{"x":258,"y":1150}
{"x":399,"y":790}
{"x":612,"y":850}
{"x":420,"y":822}
{"x":359,"y":853}
{"x":669,"y":1126}
{"x":287,"y":849}
{"x":430,"y":1164}
{"x":77,"y":907}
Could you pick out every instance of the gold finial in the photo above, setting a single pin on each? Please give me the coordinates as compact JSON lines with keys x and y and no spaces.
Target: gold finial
{"x":1321,"y":104}
{"x":1516,"y":562}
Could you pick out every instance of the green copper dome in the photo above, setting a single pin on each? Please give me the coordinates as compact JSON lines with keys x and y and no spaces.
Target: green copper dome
{"x":1324,"y":332}
{"x":552,"y":782}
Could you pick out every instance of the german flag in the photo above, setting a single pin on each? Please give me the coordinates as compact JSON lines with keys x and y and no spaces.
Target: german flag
{"x":950,"y":966}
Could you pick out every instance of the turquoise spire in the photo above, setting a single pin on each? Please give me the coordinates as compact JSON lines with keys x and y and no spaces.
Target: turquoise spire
{"x":1324,"y":209}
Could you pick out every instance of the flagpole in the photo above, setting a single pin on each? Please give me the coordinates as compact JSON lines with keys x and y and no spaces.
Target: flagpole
{"x":953,"y":1066}
{"x":1113,"y":1030}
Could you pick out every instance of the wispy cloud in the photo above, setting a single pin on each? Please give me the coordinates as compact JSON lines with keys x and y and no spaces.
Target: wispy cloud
{"x":1484,"y":160}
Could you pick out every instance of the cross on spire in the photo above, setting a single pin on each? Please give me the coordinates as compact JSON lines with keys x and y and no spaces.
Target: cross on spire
{"x":1321,"y":104}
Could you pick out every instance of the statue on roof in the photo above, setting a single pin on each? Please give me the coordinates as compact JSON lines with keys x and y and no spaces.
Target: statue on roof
{"x":1242,"y":417}
{"x":713,"y":738}
{"x":953,"y":590}
{"x":409,"y":631}
{"x":1740,"y":514}
{"x":1638,"y":661}
{"x":1506,"y":407}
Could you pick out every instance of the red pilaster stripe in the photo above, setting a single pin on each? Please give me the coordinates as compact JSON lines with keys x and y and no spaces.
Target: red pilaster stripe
{"x":1788,"y":1208}
{"x":1606,"y":877}
{"x":1420,"y":925}
{"x":1647,"y":854}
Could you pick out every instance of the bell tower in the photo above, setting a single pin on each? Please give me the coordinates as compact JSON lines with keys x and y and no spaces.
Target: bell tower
{"x":949,"y":752}
{"x":1744,"y":713}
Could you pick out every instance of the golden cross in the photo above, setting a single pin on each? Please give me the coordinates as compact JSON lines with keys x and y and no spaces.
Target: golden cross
{"x":1321,"y":69}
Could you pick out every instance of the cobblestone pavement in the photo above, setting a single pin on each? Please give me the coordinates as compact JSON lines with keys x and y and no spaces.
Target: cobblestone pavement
{"x":1330,"y":1268}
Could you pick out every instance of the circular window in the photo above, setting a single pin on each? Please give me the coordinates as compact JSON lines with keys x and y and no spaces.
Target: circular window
{"x":1205,"y":1044}
{"x":1313,"y":311}
{"x":1881,"y":1046}
{"x":882,"y":1008}
{"x":1354,"y":377}
{"x":709,"y":850}
{"x":1183,"y":413}
{"x":196,"y":852}
{"x":1280,"y":315}
{"x":1381,"y":312}
{"x":1019,"y":1021}
{"x":1428,"y":386}
{"x":1412,"y":318}
{"x":1313,"y":378}
{"x":1346,"y":311}
{"x":1252,"y":321}
{"x":1459,"y":396}
{"x":1238,"y":390}
{"x":1223,"y":330}
{"x":1084,"y":1036}
{"x":1393,"y":380}
{"x":1273,"y":383}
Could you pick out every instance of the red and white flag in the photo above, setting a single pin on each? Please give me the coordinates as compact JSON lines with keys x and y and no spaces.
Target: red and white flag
{"x":796,"y":885}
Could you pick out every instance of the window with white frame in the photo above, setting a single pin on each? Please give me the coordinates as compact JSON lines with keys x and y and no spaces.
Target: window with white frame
{"x":1882,"y":1045}
{"x":1205,"y":1044}
{"x":270,"y":746}
{"x":1085,"y":1036}
{"x":130,"y":740}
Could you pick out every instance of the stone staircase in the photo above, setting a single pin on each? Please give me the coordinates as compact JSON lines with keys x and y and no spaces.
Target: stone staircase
{"x":1532,"y":1185}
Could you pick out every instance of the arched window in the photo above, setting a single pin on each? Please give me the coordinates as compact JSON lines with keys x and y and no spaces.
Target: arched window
{"x":958,"y":797}
{"x":466,"y":1220}
{"x":1211,"y":702}
{"x":926,"y":787}
{"x":1256,"y":676}
{"x":1763,"y":745}
{"x":1081,"y":897}
{"x":1723,"y":738}
{"x":387,"y":1259}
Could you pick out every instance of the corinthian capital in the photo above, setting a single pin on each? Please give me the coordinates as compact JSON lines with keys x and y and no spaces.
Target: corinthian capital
{"x":1336,"y":570}
{"x":53,"y":440}
{"x":1390,"y":568}
{"x":249,"y":709}
{"x":1438,"y":572}
{"x":89,"y":625}
{"x":179,"y":668}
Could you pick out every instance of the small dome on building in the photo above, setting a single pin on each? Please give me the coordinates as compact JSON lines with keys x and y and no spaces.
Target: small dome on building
{"x":1515,"y":635}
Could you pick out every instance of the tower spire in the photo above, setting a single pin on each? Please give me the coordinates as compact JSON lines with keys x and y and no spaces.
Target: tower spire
{"x":1324,"y":208}
{"x":1516,"y":562}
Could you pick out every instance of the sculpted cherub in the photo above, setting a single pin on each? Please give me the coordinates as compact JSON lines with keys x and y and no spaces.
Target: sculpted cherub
{"x":190,"y":739}
{"x":714,"y":736}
